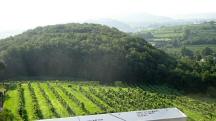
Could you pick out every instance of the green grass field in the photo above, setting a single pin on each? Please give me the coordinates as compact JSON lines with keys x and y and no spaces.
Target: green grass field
{"x":50,"y":99}
{"x":194,"y":48}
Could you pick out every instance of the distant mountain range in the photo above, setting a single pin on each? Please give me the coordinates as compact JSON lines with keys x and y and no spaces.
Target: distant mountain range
{"x":137,"y":22}
{"x":113,"y":23}
{"x":133,"y":22}
{"x":140,"y":21}
{"x":143,"y":18}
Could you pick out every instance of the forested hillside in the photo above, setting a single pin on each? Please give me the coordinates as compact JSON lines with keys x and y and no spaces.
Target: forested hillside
{"x":86,"y":51}
{"x":96,"y":52}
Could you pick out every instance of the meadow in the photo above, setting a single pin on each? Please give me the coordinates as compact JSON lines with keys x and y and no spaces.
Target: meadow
{"x":54,"y":99}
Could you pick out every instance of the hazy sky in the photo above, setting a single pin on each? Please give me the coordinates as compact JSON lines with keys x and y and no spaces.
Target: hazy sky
{"x":23,"y":14}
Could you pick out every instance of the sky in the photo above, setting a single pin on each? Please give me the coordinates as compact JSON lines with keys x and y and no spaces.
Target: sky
{"x":25,"y":14}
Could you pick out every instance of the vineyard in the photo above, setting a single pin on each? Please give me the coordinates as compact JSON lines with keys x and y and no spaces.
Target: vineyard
{"x":42,"y":100}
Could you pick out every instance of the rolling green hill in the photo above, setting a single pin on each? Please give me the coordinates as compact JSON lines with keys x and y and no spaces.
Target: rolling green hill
{"x":88,"y":51}
{"x":96,"y":52}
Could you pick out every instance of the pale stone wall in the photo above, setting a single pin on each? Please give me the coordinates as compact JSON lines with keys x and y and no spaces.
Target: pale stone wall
{"x":167,"y":114}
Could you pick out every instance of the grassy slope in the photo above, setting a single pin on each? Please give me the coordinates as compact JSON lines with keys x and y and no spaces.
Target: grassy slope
{"x":11,"y":102}
{"x":86,"y":88}
{"x":72,"y":104}
{"x":60,"y":109}
{"x":91,"y":107}
{"x":42,"y":102}
{"x":28,"y":102}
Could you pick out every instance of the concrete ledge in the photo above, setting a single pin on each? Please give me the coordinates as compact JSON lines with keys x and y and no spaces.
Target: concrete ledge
{"x":167,"y":114}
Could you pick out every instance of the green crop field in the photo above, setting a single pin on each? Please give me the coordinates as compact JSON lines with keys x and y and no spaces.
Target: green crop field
{"x":194,"y":48}
{"x":51,"y":99}
{"x":192,"y":34}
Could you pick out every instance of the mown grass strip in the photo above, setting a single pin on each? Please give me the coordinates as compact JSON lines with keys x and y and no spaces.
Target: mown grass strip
{"x":91,"y":107}
{"x":37,"y":114}
{"x":57,"y":105}
{"x":28,"y":103}
{"x":63,"y":102}
{"x":43,"y":104}
{"x":86,"y":88}
{"x":11,"y":102}
{"x":74,"y":98}
{"x":77,"y":109}
{"x":101,"y":105}
{"x":48,"y":101}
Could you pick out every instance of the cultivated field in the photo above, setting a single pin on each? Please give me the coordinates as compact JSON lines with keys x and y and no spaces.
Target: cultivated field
{"x":194,"y":48}
{"x":41,"y":100}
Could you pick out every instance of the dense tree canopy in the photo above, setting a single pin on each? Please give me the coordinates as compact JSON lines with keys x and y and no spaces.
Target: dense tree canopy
{"x":186,"y":52}
{"x":2,"y":66}
{"x":197,"y":71}
{"x":86,"y":51}
{"x":207,"y":51}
